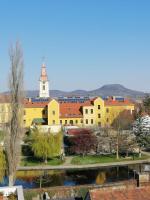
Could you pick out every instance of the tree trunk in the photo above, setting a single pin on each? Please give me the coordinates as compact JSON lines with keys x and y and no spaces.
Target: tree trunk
{"x":139,"y":152}
{"x":117,"y":150}
{"x":11,"y":180}
{"x":45,"y":161}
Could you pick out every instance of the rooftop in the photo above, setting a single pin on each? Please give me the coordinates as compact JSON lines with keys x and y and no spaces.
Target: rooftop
{"x":73,"y":110}
{"x":142,"y":193}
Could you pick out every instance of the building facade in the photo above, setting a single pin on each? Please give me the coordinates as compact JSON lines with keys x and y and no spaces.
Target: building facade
{"x":81,"y":112}
{"x":69,"y":111}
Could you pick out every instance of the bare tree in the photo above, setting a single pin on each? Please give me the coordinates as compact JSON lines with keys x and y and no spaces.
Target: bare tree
{"x":121,"y":122}
{"x":14,"y":129}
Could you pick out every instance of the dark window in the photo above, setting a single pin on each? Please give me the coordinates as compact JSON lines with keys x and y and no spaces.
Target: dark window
{"x":99,"y":115}
{"x":107,"y":110}
{"x":86,"y":111}
{"x":107,"y":120}
{"x":43,"y":87}
{"x":99,"y":123}
{"x":44,"y":112}
{"x":71,"y":122}
{"x":86,"y":121}
{"x":76,"y":121}
{"x":81,"y":121}
{"x":91,"y":121}
{"x":60,"y":121}
{"x":99,"y":107}
{"x":53,"y":112}
{"x":91,"y":111}
{"x":65,"y":121}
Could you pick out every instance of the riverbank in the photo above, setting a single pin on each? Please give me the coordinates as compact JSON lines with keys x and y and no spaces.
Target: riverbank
{"x":75,"y":161}
{"x":86,"y":166}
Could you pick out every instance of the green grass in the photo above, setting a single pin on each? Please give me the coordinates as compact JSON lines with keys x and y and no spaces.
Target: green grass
{"x":35,"y":162}
{"x":79,"y":160}
{"x":29,"y":194}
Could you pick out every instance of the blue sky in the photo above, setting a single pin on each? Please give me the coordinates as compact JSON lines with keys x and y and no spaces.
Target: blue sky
{"x":87,"y":43}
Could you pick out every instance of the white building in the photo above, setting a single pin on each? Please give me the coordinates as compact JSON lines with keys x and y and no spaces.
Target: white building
{"x":44,"y":83}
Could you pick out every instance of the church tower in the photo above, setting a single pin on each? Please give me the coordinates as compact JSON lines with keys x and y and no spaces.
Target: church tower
{"x":44,"y":83}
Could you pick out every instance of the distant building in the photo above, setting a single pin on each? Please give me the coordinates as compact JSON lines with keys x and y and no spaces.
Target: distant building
{"x":73,"y":111}
{"x":67,"y":111}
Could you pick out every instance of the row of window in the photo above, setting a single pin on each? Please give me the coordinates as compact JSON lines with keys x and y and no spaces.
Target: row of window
{"x":72,"y":122}
{"x":91,"y":110}
{"x":86,"y":111}
{"x":87,"y":121}
{"x":76,"y":122}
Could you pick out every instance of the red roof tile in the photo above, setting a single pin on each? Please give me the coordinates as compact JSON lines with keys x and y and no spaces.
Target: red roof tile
{"x":35,"y":104}
{"x":78,"y":131}
{"x":142,"y":193}
{"x":72,"y":110}
{"x":4,"y":99}
{"x":111,"y":102}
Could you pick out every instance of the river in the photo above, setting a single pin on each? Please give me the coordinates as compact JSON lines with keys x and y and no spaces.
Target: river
{"x":48,"y":178}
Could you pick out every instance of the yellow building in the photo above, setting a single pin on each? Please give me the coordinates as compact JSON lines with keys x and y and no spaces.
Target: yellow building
{"x":108,"y":109}
{"x":69,"y":111}
{"x":35,"y":113}
{"x":53,"y":113}
{"x":5,"y":110}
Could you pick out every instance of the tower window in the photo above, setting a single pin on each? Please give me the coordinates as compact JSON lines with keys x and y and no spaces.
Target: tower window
{"x":43,"y":87}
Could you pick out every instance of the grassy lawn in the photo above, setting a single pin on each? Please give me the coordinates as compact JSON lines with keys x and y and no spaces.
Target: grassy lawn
{"x":79,"y":160}
{"x":35,"y":162}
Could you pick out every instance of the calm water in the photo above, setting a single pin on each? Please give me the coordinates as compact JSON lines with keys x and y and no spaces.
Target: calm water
{"x":35,"y":179}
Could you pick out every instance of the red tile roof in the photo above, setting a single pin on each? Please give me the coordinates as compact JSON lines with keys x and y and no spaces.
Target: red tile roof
{"x":78,"y":131}
{"x":28,"y":104}
{"x":72,"y":110}
{"x":111,"y":102}
{"x":4,"y":99}
{"x":142,"y":193}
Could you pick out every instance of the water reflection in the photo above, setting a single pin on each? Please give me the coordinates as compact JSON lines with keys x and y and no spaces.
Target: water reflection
{"x":47,"y":178}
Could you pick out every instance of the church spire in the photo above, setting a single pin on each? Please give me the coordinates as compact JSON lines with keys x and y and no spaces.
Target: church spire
{"x":43,"y":76}
{"x":44,"y":83}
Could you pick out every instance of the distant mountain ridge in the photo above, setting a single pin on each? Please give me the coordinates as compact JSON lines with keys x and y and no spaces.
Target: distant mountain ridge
{"x":106,"y":90}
